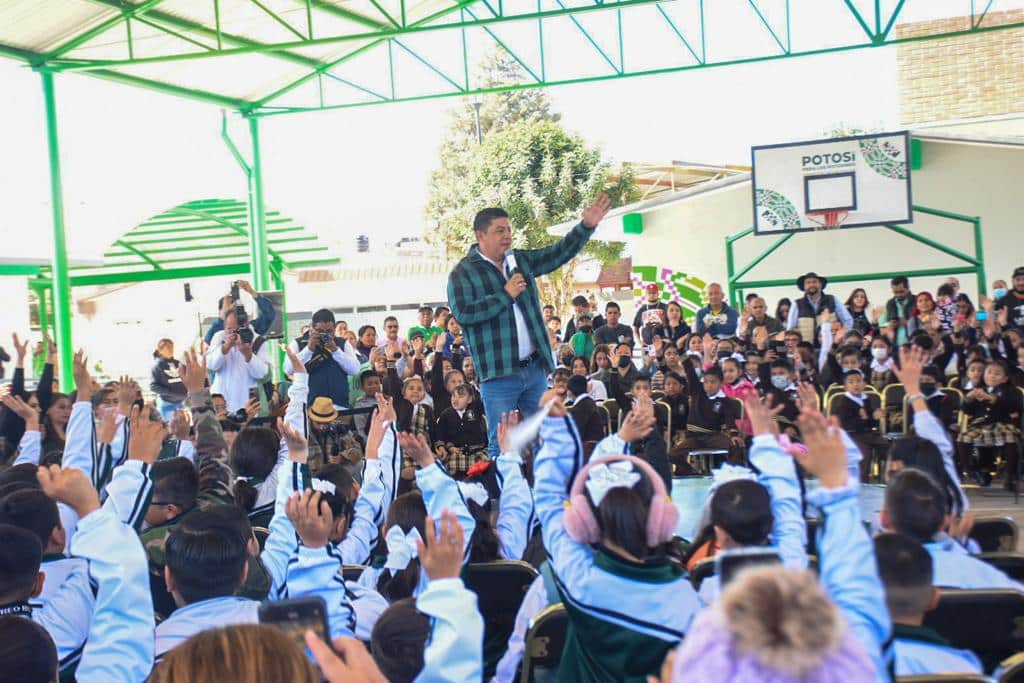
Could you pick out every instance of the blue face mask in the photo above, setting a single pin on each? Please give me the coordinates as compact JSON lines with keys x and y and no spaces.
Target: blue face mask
{"x":780,"y":381}
{"x":999,"y":293}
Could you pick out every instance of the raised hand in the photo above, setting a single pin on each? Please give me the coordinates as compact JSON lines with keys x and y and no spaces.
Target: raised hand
{"x":20,"y":349}
{"x":762,"y":415}
{"x":508,"y":421}
{"x":593,"y":214}
{"x":826,"y":455}
{"x":51,"y":350}
{"x":193,"y":372}
{"x":23,"y":410}
{"x":312,"y":518}
{"x":557,"y":404}
{"x":637,"y":425}
{"x":80,"y":373}
{"x":440,"y":552}
{"x":416,"y":447}
{"x":808,"y":398}
{"x":298,"y":445}
{"x":127,"y":394}
{"x":385,"y":408}
{"x":71,"y":487}
{"x":909,"y":370}
{"x":107,"y":427}
{"x":180,"y":425}
{"x":147,"y":435}
{"x":298,"y":367}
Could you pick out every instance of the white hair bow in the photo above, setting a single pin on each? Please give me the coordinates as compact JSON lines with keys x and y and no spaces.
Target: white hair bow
{"x":475,"y":491}
{"x":604,"y":477}
{"x":323,"y":486}
{"x":401,"y":547}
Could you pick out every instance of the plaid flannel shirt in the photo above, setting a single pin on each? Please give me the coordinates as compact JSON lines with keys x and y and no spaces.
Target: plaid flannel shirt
{"x":476,"y":293}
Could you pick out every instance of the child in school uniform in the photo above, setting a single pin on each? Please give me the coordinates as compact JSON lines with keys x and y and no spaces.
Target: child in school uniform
{"x":628,"y":603}
{"x":460,"y":439}
{"x":778,"y":383}
{"x":711,"y":421}
{"x":737,"y":386}
{"x":859,"y":414}
{"x":915,"y":505}
{"x":881,"y":363}
{"x":905,"y":568}
{"x":993,"y":413}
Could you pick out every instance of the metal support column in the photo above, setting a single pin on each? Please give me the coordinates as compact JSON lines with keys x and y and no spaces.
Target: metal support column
{"x":61,"y":278}
{"x":258,"y":219}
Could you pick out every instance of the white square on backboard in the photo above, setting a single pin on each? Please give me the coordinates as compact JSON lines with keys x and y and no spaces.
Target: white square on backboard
{"x":831,"y":192}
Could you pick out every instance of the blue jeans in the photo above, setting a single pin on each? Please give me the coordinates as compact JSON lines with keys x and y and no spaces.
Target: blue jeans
{"x":521,"y":390}
{"x":167,"y":410}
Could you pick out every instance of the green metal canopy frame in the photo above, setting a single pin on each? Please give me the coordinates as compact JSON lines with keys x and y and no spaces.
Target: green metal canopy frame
{"x":269,"y":57}
{"x":968,"y":264}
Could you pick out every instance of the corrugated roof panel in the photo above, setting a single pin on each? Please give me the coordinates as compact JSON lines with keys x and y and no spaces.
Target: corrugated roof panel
{"x":41,"y":27}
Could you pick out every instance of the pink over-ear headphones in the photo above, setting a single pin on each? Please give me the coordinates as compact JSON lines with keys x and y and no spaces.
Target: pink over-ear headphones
{"x":582,"y":526}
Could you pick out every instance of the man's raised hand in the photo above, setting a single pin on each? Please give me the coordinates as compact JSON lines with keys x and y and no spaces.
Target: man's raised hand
{"x":593,"y":214}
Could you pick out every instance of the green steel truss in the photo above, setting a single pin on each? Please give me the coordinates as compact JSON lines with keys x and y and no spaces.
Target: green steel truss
{"x":333,"y":54}
{"x":208,"y":237}
{"x":739,"y":283}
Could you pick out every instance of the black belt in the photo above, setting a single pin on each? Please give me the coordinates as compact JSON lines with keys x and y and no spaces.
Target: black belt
{"x":532,"y":357}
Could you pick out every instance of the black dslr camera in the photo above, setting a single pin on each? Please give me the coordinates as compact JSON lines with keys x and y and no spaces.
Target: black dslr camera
{"x":325,"y":338}
{"x":244,"y":332}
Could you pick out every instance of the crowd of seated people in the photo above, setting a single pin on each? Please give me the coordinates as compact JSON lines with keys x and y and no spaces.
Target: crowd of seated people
{"x":145,"y":541}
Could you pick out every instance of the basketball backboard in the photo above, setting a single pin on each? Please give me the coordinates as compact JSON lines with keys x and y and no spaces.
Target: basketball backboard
{"x":845,"y":182}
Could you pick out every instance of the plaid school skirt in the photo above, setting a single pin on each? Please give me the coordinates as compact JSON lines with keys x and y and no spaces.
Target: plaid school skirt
{"x":990,"y":435}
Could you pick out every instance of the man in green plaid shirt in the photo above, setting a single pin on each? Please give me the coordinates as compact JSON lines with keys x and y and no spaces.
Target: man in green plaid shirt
{"x":494,"y":297}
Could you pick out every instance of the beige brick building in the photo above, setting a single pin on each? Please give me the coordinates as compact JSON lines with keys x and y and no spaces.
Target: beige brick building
{"x":968,"y":77}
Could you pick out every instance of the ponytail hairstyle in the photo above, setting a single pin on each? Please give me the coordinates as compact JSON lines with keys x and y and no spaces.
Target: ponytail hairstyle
{"x":398,"y":641}
{"x":622,"y":516}
{"x":407,"y":512}
{"x":160,"y":344}
{"x":340,"y":500}
{"x":253,"y":457}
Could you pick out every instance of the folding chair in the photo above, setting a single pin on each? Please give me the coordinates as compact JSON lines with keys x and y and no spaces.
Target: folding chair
{"x":995,"y":534}
{"x":352,"y":572}
{"x":601,"y":408}
{"x":500,"y":587}
{"x":701,"y":571}
{"x":261,"y":533}
{"x":1011,"y":670}
{"x":657,"y":395}
{"x":1011,"y":564}
{"x":988,"y":622}
{"x":893,"y":400}
{"x":614,"y":414}
{"x":545,"y":640}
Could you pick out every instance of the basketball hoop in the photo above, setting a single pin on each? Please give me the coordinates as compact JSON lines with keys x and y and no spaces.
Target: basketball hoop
{"x":828,"y":220}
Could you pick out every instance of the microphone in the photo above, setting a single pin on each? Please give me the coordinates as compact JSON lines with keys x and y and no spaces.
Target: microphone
{"x":510,"y":264}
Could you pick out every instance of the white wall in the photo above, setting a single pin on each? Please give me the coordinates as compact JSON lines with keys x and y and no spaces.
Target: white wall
{"x":985,"y":181}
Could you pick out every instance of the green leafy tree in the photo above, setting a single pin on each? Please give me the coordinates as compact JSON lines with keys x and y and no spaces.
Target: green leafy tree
{"x":527,"y":164}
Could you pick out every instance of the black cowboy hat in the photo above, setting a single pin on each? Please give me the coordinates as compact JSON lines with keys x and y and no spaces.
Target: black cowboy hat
{"x":800,"y":280}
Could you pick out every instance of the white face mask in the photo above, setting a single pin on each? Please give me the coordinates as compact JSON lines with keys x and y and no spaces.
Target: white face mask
{"x":880,"y":353}
{"x":780,"y":381}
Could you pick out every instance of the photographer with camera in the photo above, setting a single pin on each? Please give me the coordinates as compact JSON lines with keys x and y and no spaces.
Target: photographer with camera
{"x":232,"y":302}
{"x":329,"y":360}
{"x":240,"y":360}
